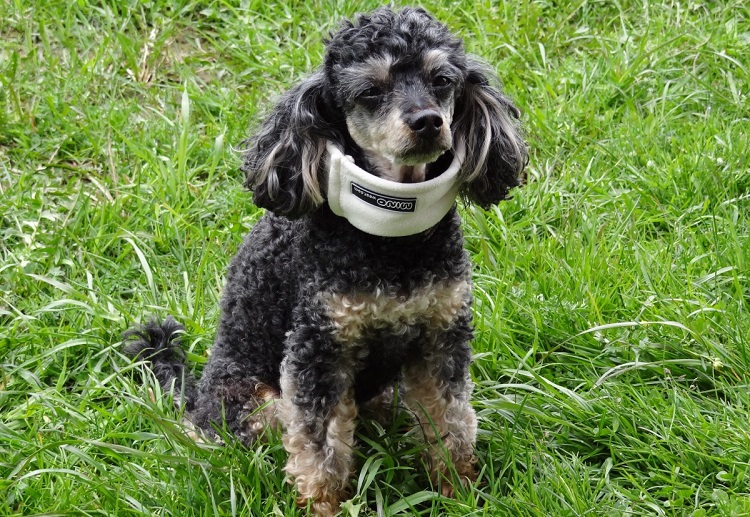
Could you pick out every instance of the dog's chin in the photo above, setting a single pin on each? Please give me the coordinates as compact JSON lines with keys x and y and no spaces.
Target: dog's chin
{"x":411,"y":166}
{"x":420,"y":156}
{"x":420,"y":167}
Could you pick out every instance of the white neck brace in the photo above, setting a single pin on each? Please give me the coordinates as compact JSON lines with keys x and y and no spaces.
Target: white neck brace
{"x":389,"y":208}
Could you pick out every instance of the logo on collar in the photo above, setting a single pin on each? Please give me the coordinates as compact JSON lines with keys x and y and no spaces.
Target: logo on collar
{"x":394,"y":204}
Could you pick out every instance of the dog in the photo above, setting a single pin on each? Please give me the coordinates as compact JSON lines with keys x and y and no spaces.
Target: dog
{"x":326,"y":307}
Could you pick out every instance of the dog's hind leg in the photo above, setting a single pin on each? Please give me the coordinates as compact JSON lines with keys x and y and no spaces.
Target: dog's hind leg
{"x":245,"y":405}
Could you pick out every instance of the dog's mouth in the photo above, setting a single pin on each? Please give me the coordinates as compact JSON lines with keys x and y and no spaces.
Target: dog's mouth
{"x":412,"y":163}
{"x":425,"y":168}
{"x":413,"y":166}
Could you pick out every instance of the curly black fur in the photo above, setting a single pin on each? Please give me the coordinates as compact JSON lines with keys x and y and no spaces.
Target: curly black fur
{"x":409,"y":33}
{"x":305,"y":315}
{"x":158,"y":343}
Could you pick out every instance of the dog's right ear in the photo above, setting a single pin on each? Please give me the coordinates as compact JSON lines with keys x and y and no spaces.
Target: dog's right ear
{"x":284,"y":159}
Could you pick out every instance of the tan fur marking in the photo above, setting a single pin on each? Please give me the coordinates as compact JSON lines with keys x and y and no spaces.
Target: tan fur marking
{"x":434,"y":59}
{"x":376,"y":68}
{"x":436,"y":305}
{"x":264,"y":410}
{"x":448,"y":422}
{"x":384,"y":139}
{"x":320,"y":471}
{"x":193,"y":432}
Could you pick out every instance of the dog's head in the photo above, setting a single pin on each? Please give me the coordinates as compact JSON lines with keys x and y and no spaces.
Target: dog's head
{"x":396,"y":92}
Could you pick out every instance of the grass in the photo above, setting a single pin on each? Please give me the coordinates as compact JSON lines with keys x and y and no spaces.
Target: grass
{"x":612,"y":301}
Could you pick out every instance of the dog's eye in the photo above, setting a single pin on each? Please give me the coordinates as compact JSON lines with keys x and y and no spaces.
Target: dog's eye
{"x":441,"y":81}
{"x":371,"y":93}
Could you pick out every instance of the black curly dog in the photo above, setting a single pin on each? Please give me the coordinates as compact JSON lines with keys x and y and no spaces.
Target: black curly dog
{"x":319,"y":319}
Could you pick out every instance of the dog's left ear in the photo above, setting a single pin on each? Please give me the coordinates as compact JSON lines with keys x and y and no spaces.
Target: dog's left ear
{"x":488,"y":124}
{"x":283,"y":160}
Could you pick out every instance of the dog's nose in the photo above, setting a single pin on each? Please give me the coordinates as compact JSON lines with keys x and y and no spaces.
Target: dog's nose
{"x":426,"y":123}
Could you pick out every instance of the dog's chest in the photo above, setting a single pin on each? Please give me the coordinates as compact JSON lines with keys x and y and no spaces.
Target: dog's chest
{"x":434,"y":306}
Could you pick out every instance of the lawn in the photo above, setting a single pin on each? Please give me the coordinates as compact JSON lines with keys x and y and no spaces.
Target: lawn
{"x":612,"y":350}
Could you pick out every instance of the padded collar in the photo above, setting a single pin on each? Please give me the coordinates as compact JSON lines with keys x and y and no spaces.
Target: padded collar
{"x":389,"y":208}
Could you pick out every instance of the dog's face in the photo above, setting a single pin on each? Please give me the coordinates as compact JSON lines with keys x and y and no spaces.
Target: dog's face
{"x":396,"y":77}
{"x":399,"y":110}
{"x":396,"y":92}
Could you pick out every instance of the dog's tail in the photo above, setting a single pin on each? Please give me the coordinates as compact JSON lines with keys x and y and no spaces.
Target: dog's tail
{"x":158,"y":344}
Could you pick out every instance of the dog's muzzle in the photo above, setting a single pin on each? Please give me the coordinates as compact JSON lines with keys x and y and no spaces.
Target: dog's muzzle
{"x":389,"y":208}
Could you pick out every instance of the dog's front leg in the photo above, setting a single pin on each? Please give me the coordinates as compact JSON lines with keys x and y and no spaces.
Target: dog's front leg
{"x":438,"y":389}
{"x":318,"y":411}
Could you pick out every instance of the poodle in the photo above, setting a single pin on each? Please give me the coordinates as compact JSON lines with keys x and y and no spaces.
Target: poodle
{"x":355,"y":287}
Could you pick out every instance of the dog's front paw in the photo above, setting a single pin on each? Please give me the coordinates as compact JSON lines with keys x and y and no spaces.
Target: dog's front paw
{"x":464,"y":472}
{"x":324,"y":505}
